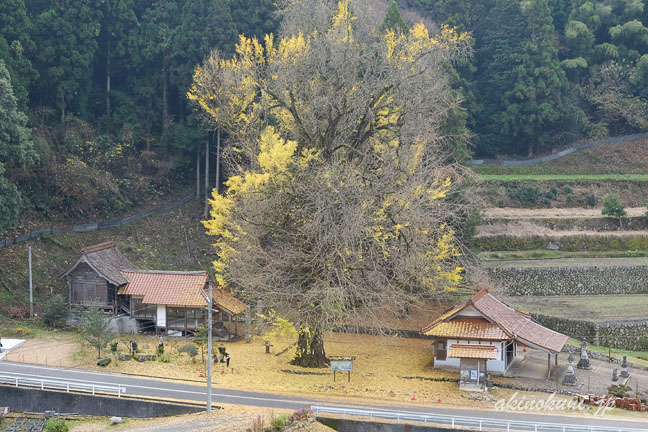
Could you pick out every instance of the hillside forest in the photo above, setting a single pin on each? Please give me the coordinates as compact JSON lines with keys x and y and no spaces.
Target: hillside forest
{"x":94,"y":117}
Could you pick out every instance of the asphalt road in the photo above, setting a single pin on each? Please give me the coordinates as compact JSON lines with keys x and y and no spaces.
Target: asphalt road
{"x":154,"y":388}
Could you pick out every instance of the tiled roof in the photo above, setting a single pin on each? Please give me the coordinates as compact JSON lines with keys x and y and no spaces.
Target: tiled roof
{"x":106,"y":260}
{"x":514,"y":324}
{"x":443,"y":317}
{"x":519,"y":325}
{"x":461,"y":328}
{"x":228,"y":302}
{"x":167,"y":287}
{"x":473,"y":351}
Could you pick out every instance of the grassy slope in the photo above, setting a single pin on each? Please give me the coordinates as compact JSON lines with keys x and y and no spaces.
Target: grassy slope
{"x":617,"y":158}
{"x":172,"y":241}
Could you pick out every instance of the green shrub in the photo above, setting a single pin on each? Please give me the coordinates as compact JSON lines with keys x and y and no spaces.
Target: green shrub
{"x":164,"y":358}
{"x":524,"y":193}
{"x":612,"y":207}
{"x":619,"y":390}
{"x":189,"y":349}
{"x":279,"y":423}
{"x":646,"y":213}
{"x":590,"y":200}
{"x":56,"y":425}
{"x":56,"y":310}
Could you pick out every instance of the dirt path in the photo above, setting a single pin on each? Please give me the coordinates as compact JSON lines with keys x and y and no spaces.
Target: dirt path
{"x":525,"y":228}
{"x":569,"y":262}
{"x":554,"y":213}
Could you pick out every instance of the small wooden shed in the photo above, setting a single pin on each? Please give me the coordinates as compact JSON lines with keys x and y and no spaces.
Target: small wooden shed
{"x":96,"y":276}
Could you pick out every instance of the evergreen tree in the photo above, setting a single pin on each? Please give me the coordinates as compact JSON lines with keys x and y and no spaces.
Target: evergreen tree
{"x":159,"y":26}
{"x":538,"y":98}
{"x":205,"y":25}
{"x":113,"y":56}
{"x":254,"y":18}
{"x":16,"y":148}
{"x":499,"y":37}
{"x":393,"y":19}
{"x":15,"y":46}
{"x":66,"y":35}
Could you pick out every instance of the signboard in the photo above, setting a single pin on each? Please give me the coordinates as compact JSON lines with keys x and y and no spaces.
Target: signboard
{"x":342,"y":365}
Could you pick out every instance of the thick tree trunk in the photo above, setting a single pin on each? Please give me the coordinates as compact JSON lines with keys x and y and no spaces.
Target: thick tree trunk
{"x":310,"y":349}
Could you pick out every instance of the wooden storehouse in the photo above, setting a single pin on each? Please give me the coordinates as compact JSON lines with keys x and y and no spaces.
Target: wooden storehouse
{"x":96,"y":276}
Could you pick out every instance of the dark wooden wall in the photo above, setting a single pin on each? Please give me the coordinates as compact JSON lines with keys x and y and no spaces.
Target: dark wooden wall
{"x":88,"y":288}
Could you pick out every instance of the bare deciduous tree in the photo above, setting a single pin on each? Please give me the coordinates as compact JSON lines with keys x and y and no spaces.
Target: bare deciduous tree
{"x":343,"y":199}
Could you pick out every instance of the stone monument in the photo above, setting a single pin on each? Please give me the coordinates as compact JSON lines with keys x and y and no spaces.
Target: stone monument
{"x":570,"y":377}
{"x":615,"y":376}
{"x":584,"y":362}
{"x":624,"y":368}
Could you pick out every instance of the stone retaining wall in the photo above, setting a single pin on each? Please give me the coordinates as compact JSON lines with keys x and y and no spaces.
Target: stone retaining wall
{"x":625,"y":334}
{"x":544,"y":281}
{"x":568,"y":243}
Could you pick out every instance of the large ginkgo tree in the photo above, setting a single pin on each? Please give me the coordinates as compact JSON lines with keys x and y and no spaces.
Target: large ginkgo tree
{"x":343,"y":200}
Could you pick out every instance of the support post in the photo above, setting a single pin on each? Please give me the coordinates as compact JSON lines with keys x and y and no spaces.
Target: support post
{"x":31,"y":290}
{"x":556,"y":362}
{"x":209,"y":347}
{"x":248,"y":324}
{"x":259,"y":320}
{"x":548,"y":365}
{"x":198,"y":172}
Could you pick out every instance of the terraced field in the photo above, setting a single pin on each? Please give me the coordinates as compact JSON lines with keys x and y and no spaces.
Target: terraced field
{"x":587,"y":308}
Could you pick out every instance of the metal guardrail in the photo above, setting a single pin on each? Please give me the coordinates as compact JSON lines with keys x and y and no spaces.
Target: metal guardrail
{"x":68,"y":386}
{"x":475,"y":423}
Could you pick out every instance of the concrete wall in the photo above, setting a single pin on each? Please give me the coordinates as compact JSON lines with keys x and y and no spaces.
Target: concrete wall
{"x":494,"y":366}
{"x":342,"y":425}
{"x":543,"y":281}
{"x":34,"y":400}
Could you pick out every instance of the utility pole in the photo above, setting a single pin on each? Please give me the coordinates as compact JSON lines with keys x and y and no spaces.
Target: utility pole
{"x":209,"y":347}
{"x":31,"y":290}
